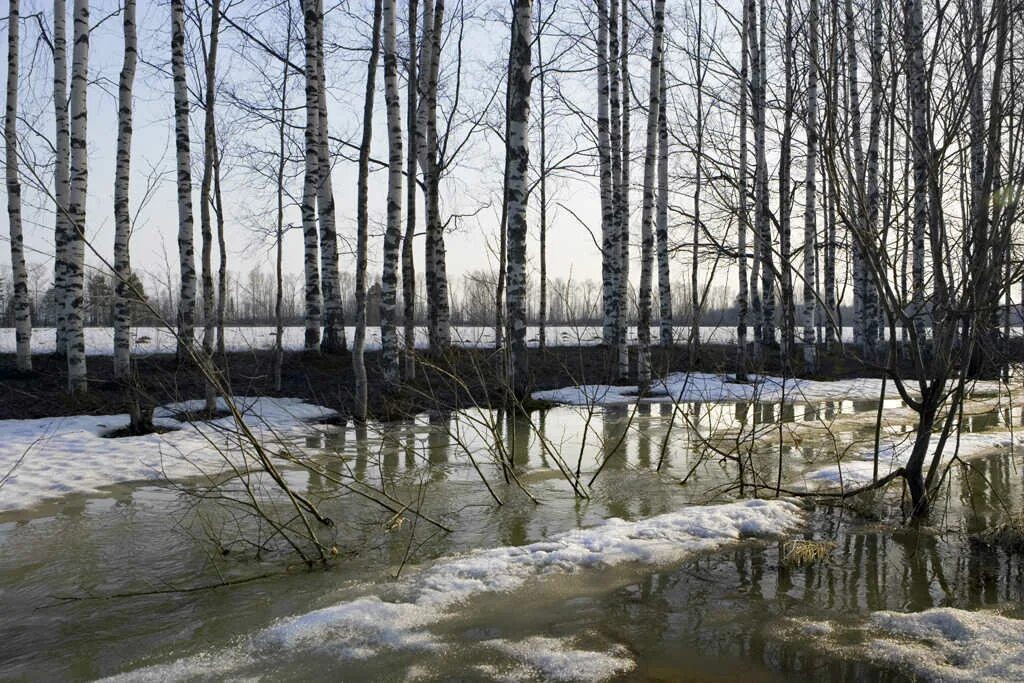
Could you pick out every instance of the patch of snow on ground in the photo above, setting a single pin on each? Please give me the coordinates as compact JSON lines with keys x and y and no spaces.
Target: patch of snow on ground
{"x":705,"y":387}
{"x":51,"y":457}
{"x":556,"y":660}
{"x":944,"y":643}
{"x":366,"y":626}
{"x":859,"y":470}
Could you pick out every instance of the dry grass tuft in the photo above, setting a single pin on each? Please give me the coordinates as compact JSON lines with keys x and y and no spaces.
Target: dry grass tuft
{"x":804,"y":552}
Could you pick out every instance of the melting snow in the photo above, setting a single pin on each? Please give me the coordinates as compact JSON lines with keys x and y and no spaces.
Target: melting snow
{"x":702,"y":386}
{"x":944,"y":644}
{"x":51,"y":457}
{"x":557,"y":660}
{"x":366,"y":626}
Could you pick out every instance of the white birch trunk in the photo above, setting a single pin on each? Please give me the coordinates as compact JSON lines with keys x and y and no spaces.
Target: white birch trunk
{"x":122,"y":215}
{"x":742,"y":298}
{"x":855,"y":182}
{"x":79,"y":177}
{"x":22,"y":309}
{"x":439,"y":319}
{"x":517,"y":190}
{"x":785,"y":191}
{"x":625,"y":150}
{"x":393,"y":231}
{"x":408,"y":264}
{"x":810,"y":190}
{"x":661,"y":213}
{"x":61,"y":173}
{"x":871,"y":317}
{"x":647,"y":218}
{"x":186,"y":253}
{"x":542,"y":313}
{"x":608,"y":260}
{"x":205,"y":200}
{"x":333,"y":340}
{"x":363,"y":221}
{"x":614,"y":243}
{"x":917,"y":91}
{"x":313,"y":300}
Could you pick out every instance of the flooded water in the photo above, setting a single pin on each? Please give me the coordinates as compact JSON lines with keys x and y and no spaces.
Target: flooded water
{"x":117,"y":582}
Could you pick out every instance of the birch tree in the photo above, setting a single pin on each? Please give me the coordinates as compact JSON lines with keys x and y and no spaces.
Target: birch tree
{"x":518,"y":196}
{"x":438,"y":313}
{"x":762,"y":217}
{"x":917,"y":95}
{"x":700,"y":70}
{"x":182,"y":145}
{"x":744,"y":214}
{"x":623,"y":195}
{"x":363,"y":220}
{"x":785,"y":187}
{"x":393,"y":231}
{"x":311,"y":182}
{"x":79,"y":177}
{"x":855,"y":183}
{"x":205,"y":200}
{"x":408,"y":263}
{"x":22,"y":310}
{"x":604,"y":155}
{"x":61,"y":173}
{"x":647,"y":218}
{"x":661,"y":213}
{"x":122,"y":216}
{"x":542,"y":313}
{"x":810,"y":189}
{"x":333,"y":340}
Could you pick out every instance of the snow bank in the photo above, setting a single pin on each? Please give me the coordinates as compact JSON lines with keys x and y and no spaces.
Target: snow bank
{"x":944,"y":644}
{"x":51,"y":457}
{"x":858,"y":468}
{"x":552,"y":659}
{"x":702,"y":386}
{"x":366,"y":626}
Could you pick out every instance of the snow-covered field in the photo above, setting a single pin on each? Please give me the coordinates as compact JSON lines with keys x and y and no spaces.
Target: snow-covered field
{"x":942,"y":644}
{"x":52,"y":457}
{"x":99,"y":341}
{"x":367,"y":626}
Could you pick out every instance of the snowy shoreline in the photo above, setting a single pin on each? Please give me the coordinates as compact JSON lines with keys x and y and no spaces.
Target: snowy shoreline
{"x":367,"y":626}
{"x":47,"y":458}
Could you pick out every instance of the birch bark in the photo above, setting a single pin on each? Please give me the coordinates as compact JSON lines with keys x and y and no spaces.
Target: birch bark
{"x":647,"y":218}
{"x":393,"y":230}
{"x":518,"y":196}
{"x":186,"y":254}
{"x":810,"y":190}
{"x":79,"y":176}
{"x":333,"y":340}
{"x":122,"y":216}
{"x":604,"y":155}
{"x":744,"y":210}
{"x":311,"y":182}
{"x":22,"y":309}
{"x":661,"y":214}
{"x":363,"y":220}
{"x":408,"y":265}
{"x":61,"y":173}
